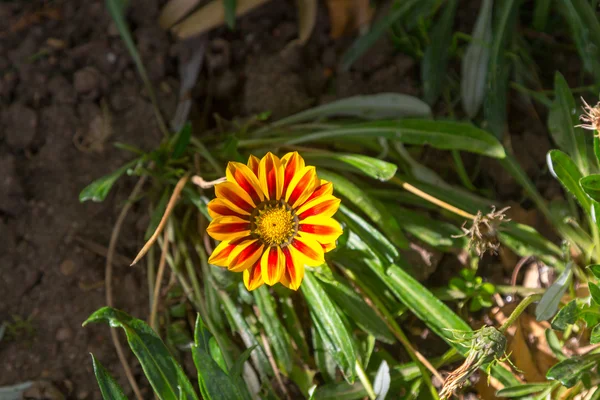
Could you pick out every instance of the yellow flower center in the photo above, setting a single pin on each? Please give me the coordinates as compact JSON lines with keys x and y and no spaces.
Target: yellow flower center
{"x":275,"y":224}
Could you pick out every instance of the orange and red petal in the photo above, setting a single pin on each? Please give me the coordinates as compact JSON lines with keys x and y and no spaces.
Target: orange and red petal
{"x":322,"y":229}
{"x":272,"y":264}
{"x":228,"y":228}
{"x":326,"y":188}
{"x":245,"y":255}
{"x":253,"y":277}
{"x":294,"y":269}
{"x":292,"y":164}
{"x":219,"y":208}
{"x":327,"y":247}
{"x":242,"y":175}
{"x":270,"y":176}
{"x":221,"y":253}
{"x":323,"y":206}
{"x":302,"y":186}
{"x":307,"y":250}
{"x":253,"y":163}
{"x":236,"y":196}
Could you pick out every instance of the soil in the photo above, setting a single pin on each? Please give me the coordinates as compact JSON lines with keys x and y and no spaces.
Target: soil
{"x":68,"y":91}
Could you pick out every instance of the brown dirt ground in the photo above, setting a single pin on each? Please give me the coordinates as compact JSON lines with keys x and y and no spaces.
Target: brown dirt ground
{"x":68,"y":91}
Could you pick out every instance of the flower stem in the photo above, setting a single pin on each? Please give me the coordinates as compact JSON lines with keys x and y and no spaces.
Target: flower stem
{"x":410,"y":188}
{"x":364,"y":379}
{"x":519,"y":310}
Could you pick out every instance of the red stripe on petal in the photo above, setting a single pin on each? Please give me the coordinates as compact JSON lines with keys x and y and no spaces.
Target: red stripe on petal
{"x":224,"y":211}
{"x":319,"y":208}
{"x":318,"y":229}
{"x":300,"y":187}
{"x":245,"y":184}
{"x":230,"y":227}
{"x":323,"y":189}
{"x":246,"y":253}
{"x":237,"y":200}
{"x":304,"y":249}
{"x":290,"y":268}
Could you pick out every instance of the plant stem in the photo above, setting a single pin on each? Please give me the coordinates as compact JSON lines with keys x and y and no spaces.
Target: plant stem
{"x":519,"y":310}
{"x":410,"y":188}
{"x":364,"y":379}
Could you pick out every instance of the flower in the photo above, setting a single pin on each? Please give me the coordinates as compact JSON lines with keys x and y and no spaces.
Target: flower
{"x":273,"y":217}
{"x":591,"y":117}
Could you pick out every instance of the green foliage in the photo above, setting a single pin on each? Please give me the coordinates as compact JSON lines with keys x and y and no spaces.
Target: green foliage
{"x":478,"y":293}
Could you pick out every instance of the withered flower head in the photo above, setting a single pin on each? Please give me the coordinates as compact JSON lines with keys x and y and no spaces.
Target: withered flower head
{"x":483,"y":233}
{"x":487,"y":346}
{"x":591,"y":117}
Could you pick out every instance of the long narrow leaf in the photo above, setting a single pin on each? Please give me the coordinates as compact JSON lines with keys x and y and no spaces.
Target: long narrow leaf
{"x":109,"y":388}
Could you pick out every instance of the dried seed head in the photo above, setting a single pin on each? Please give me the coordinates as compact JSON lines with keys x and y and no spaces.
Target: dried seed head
{"x":487,"y":346}
{"x":591,"y":117}
{"x":483,"y":233}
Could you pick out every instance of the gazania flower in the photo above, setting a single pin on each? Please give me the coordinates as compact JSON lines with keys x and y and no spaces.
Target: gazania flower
{"x":273,"y":217}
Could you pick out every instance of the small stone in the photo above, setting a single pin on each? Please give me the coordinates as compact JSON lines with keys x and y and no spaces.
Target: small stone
{"x":20,"y":125}
{"x":87,"y":80}
{"x":64,"y":334}
{"x":67,"y":267}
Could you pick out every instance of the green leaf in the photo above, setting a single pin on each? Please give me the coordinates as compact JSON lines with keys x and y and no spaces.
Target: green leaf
{"x":476,"y":60}
{"x":595,"y":335}
{"x":521,"y":390}
{"x":369,"y":166}
{"x":594,"y":292}
{"x":562,"y":119}
{"x":566,"y":316}
{"x":497,"y":78}
{"x":373,"y":209}
{"x":237,"y":368}
{"x":541,"y":12}
{"x":565,"y":170}
{"x":375,"y":106}
{"x":279,"y":339}
{"x":525,"y":241}
{"x":99,"y":189}
{"x":591,"y":186}
{"x":213,"y":381}
{"x":592,"y":27}
{"x":554,"y":343}
{"x":569,"y":371}
{"x":162,"y":371}
{"x":109,"y":388}
{"x":444,"y":135}
{"x":364,"y":43}
{"x":330,"y":326}
{"x":431,"y":231}
{"x":230,"y":6}
{"x":595,"y":270}
{"x":358,"y":311}
{"x":182,"y":140}
{"x":549,"y":303}
{"x":435,"y":59}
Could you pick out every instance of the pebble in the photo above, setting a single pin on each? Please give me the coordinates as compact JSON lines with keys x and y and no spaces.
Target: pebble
{"x":64,"y":334}
{"x":86,"y":80}
{"x":67,"y":267}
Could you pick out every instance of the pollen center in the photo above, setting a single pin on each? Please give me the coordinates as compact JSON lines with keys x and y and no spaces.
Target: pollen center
{"x":275,"y":224}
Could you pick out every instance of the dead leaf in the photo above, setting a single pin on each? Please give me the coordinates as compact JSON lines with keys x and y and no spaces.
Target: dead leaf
{"x":307,"y":16}
{"x":211,"y":16}
{"x":346,"y":16}
{"x":175,"y":10}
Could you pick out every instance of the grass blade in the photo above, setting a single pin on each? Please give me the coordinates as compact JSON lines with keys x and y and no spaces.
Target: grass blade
{"x":331,"y":327}
{"x":109,"y":388}
{"x":435,"y":60}
{"x":369,"y":166}
{"x":567,"y":173}
{"x":476,"y":60}
{"x":163,"y":372}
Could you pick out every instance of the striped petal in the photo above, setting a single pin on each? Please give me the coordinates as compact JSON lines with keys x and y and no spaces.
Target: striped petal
{"x":253,"y":163}
{"x":302,"y":186}
{"x":322,"y":229}
{"x":235,"y":197}
{"x":245,"y":255}
{"x":270,"y":176}
{"x":246,"y":179}
{"x":294,"y":269}
{"x":326,"y":188}
{"x":253,"y":277}
{"x":328,"y":246}
{"x":292,"y":164}
{"x":309,"y":251}
{"x":220,"y":208}
{"x":228,"y":228}
{"x":272,"y":264}
{"x":221,"y":253}
{"x":323,"y":206}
